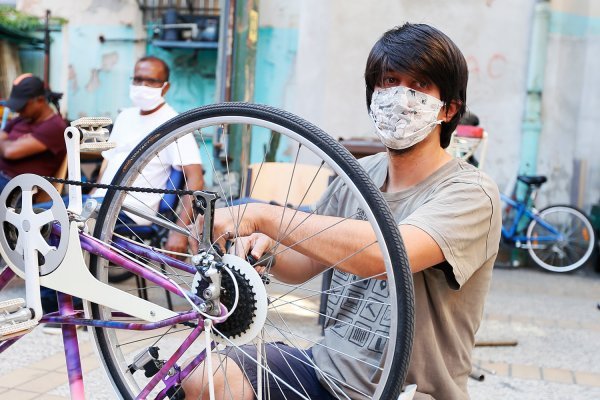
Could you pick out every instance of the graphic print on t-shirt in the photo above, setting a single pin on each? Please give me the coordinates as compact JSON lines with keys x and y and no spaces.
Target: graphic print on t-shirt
{"x":360,"y":304}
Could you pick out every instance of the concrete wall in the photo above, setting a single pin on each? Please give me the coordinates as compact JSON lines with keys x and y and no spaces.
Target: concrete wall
{"x":311,"y":57}
{"x":569,"y":143}
{"x":336,"y":36}
{"x":334,"y":39}
{"x":93,"y":76}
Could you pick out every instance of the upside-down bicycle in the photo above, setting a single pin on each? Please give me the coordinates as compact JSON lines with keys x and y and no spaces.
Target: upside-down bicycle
{"x":221,"y":300}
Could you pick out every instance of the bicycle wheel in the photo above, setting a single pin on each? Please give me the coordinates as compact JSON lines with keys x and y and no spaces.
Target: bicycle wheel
{"x":570,"y":251}
{"x":293,"y":310}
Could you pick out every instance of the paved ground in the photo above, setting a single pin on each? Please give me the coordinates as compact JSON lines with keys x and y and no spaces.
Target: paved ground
{"x":553,"y":318}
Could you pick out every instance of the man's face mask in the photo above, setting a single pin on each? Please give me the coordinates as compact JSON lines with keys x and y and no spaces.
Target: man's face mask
{"x":146,"y":98}
{"x":403,"y":117}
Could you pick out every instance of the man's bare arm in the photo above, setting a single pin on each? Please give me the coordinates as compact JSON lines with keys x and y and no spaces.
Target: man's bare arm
{"x":286,"y":264}
{"x":195,"y":181}
{"x":348,"y":244}
{"x":24,"y":146}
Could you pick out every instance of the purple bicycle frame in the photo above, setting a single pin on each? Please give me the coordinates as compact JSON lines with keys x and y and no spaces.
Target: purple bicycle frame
{"x":70,"y":318}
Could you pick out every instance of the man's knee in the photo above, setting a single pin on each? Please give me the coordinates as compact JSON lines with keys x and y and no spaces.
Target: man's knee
{"x":229,"y":381}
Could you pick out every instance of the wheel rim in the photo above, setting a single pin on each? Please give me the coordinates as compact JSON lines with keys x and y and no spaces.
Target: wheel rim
{"x":568,"y":252}
{"x":113,"y":344}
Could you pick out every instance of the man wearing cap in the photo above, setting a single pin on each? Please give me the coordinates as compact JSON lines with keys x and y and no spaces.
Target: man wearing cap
{"x":33,"y":142}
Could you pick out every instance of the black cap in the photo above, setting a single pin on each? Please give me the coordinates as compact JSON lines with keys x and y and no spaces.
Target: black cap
{"x":25,"y":87}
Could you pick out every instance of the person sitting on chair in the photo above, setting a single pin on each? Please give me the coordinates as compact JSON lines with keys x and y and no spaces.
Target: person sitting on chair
{"x":33,"y":142}
{"x":149,"y":85}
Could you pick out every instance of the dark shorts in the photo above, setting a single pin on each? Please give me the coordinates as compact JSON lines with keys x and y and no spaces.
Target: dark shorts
{"x":288,"y":363}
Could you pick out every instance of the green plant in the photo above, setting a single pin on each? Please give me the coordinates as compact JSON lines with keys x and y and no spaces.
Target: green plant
{"x":14,"y":19}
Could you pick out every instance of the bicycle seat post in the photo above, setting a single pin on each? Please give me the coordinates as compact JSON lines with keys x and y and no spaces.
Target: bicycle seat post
{"x":533,"y":196}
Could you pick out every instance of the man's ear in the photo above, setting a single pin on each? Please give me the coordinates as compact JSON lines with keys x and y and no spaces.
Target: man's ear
{"x":451,"y":110}
{"x":165,"y":89}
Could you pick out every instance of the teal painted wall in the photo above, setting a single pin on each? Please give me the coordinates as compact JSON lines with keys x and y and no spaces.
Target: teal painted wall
{"x":33,"y":60}
{"x":568,"y":24}
{"x":275,"y":59}
{"x":193,"y":81}
{"x":193,"y":76}
{"x":99,"y":73}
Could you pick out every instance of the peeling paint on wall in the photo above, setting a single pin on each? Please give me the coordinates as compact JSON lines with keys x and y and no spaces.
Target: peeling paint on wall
{"x":93,"y":82}
{"x":72,"y":76}
{"x":110,"y":60}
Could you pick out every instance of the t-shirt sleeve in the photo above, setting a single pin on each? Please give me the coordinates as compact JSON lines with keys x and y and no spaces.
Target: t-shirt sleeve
{"x":10,"y":124}
{"x":115,"y":136}
{"x":328,"y":204}
{"x":51,"y":134}
{"x":463,"y":219}
{"x":185,"y":151}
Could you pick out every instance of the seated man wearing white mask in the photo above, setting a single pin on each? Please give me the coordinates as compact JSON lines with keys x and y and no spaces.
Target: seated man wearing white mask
{"x":150,"y":83}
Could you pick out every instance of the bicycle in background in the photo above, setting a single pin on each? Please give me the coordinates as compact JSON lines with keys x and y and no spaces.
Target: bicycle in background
{"x":559,"y":238}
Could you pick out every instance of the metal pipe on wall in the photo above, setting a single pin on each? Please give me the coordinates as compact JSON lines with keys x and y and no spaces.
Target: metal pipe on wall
{"x":532,"y":121}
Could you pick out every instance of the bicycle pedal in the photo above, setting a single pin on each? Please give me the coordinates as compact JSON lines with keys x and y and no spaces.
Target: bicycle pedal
{"x":96,"y":147}
{"x":91,"y":122}
{"x":11,"y":305}
{"x":15,"y":318}
{"x":12,"y":330}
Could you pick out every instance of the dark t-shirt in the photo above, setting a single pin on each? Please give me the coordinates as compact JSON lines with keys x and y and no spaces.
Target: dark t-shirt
{"x":51,"y":133}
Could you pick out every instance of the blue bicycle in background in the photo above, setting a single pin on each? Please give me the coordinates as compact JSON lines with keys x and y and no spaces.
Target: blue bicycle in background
{"x":559,"y":238}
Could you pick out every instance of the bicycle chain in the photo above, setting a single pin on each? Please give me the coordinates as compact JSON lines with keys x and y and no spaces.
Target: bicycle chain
{"x":118,"y":187}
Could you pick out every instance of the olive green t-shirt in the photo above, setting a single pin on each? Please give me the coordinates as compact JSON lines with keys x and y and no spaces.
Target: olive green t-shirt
{"x":458,"y":206}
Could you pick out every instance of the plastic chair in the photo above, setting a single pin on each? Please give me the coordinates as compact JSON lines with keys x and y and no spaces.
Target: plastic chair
{"x":61,"y":173}
{"x":5,"y":111}
{"x":467,"y":141}
{"x":308,"y":182}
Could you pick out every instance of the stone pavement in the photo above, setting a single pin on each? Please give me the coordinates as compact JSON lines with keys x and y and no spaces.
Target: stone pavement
{"x":553,"y":317}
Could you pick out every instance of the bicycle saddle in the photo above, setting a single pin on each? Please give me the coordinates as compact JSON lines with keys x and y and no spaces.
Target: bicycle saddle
{"x":532,"y":180}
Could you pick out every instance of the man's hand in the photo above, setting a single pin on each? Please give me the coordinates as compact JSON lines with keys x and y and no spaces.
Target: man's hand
{"x":177,"y":242}
{"x":257,"y":245}
{"x":229,"y":223}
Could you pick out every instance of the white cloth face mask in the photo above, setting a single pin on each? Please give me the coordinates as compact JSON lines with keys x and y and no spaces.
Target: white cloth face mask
{"x":146,"y":98}
{"x":403,"y":117}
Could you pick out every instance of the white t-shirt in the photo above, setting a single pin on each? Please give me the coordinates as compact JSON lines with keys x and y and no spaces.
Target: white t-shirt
{"x":129,"y":129}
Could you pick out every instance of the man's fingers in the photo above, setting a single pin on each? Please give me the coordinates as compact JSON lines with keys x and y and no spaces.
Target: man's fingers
{"x":241,"y":246}
{"x":192,"y":240}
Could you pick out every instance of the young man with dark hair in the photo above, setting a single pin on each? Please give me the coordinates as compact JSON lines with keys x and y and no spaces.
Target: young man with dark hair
{"x":448,"y":214}
{"x":33,"y":142}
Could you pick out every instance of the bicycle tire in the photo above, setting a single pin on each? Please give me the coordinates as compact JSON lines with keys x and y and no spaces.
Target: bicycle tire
{"x":319,"y":143}
{"x":116,"y":276}
{"x":568,"y":254}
